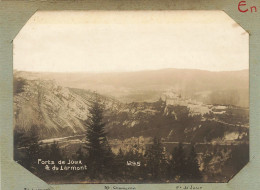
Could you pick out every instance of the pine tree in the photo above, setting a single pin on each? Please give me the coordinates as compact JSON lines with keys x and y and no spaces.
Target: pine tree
{"x":178,"y":164}
{"x":156,"y":160}
{"x":98,"y":151}
{"x":192,"y":165}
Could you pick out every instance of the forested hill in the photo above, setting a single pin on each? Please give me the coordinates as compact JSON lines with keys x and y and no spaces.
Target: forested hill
{"x":60,"y":112}
{"x":227,"y":87}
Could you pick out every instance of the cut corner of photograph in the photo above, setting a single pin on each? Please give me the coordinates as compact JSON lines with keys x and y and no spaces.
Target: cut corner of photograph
{"x":130,"y":97}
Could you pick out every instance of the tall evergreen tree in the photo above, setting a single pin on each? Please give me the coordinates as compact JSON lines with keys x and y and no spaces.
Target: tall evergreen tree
{"x":192,"y":165}
{"x":178,"y":164}
{"x":98,"y":150}
{"x":157,"y":163}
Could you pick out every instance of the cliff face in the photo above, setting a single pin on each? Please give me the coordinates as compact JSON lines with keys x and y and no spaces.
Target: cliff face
{"x":61,"y":112}
{"x":55,"y":109}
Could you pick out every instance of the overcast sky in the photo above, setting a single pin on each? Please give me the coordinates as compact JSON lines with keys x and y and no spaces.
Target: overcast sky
{"x":105,"y":41}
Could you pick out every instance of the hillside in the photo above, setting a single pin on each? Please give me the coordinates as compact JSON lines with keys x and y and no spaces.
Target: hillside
{"x":60,"y":112}
{"x":220,"y":133}
{"x":229,"y":87}
{"x":55,"y":110}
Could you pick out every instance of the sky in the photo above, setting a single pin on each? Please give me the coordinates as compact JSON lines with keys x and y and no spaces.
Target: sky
{"x":119,"y":41}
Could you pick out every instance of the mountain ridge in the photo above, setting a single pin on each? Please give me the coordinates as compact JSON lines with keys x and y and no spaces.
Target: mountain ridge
{"x":149,"y":85}
{"x":61,"y":111}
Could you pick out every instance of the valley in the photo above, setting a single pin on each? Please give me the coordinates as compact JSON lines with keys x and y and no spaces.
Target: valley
{"x":177,"y":113}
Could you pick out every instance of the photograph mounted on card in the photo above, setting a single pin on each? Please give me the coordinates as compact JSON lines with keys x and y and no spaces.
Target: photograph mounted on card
{"x":131,"y":97}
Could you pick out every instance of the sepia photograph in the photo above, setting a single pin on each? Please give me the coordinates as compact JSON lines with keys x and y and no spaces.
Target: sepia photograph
{"x":131,"y":97}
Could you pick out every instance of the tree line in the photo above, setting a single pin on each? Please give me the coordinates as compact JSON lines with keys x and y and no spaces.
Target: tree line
{"x":152,"y":165}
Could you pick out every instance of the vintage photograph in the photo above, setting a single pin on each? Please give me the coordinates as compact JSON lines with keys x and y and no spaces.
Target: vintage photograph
{"x":129,"y":97}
